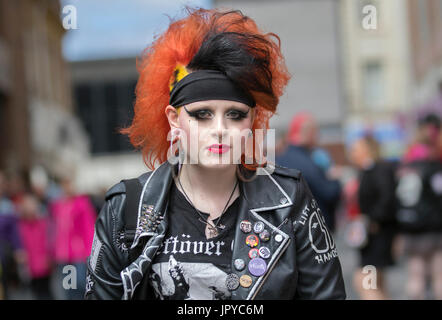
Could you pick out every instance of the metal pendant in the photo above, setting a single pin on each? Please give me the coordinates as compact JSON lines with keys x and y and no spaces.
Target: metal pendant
{"x":212,"y":231}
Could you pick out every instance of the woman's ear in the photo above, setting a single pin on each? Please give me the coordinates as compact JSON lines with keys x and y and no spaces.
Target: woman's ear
{"x":172,"y":116}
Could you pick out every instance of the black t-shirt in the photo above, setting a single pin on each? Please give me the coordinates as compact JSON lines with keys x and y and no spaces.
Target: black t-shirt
{"x":188,"y":266}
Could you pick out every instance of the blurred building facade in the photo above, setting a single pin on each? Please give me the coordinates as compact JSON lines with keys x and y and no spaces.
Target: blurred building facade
{"x":38,"y":125}
{"x":425,"y":30}
{"x":392,"y":66}
{"x":104,"y":92}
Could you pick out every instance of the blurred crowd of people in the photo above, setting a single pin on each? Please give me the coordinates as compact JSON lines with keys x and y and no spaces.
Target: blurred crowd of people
{"x":44,"y":226}
{"x":392,"y":209}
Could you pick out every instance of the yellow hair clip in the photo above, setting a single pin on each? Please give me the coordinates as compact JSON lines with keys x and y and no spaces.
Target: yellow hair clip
{"x":179,"y":73}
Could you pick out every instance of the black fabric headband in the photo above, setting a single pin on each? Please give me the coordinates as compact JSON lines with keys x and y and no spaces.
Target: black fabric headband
{"x":207,"y":85}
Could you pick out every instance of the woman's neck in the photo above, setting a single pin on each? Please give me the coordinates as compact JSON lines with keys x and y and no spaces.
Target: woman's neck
{"x":209,"y":189}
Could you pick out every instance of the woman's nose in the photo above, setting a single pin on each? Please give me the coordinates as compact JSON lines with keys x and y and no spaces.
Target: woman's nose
{"x":220,"y":129}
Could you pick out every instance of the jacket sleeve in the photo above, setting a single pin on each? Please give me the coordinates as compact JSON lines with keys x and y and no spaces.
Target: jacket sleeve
{"x":319,"y":269}
{"x":106,"y":260}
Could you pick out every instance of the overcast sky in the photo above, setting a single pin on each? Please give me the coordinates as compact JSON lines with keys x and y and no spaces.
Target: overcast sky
{"x":119,"y":28}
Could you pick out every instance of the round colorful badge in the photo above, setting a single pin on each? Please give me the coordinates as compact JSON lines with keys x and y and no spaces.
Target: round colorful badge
{"x":264,"y":252}
{"x":252,"y":241}
{"x":257,"y":267}
{"x":245,"y":281}
{"x":253,"y":253}
{"x":264,"y":235}
{"x":239,"y":264}
{"x":245,"y":226}
{"x":258,"y":227}
{"x":232,"y":282}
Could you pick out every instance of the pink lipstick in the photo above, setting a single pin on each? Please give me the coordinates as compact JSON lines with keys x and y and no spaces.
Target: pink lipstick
{"x":219,"y":148}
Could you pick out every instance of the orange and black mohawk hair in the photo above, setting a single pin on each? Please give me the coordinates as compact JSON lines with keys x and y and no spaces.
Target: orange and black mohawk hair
{"x":227,"y":41}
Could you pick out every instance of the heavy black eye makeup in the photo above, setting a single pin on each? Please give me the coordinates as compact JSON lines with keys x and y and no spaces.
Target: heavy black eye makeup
{"x":206,"y":114}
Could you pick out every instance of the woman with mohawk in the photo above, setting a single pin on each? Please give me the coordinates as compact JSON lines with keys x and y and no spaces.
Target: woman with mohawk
{"x":213,"y":219}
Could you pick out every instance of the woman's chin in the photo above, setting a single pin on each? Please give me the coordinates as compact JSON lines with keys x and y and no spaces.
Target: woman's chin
{"x":215,"y":162}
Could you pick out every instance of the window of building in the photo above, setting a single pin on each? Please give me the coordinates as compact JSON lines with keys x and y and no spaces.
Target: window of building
{"x":104,"y":108}
{"x":373,"y":84}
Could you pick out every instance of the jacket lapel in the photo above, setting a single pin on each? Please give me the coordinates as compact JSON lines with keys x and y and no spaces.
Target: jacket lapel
{"x":263,"y":195}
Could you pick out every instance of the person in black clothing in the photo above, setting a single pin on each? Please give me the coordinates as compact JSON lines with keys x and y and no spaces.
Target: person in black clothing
{"x":302,"y":138}
{"x":420,"y":204}
{"x":377,"y":203}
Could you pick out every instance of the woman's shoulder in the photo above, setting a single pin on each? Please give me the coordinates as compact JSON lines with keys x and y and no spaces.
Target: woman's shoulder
{"x":289,"y":179}
{"x":287,"y":172}
{"x":120,"y":187}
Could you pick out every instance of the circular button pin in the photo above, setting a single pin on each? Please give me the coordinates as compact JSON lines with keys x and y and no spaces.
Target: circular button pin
{"x":245,"y":226}
{"x":258,"y":227}
{"x":278,"y":238}
{"x":252,"y":241}
{"x":264,"y":252}
{"x":232,"y":282}
{"x":253,"y":253}
{"x":239,"y":264}
{"x":264,"y":235}
{"x":257,"y":267}
{"x":245,"y":281}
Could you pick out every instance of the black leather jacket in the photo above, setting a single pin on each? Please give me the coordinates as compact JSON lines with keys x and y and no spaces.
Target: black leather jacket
{"x":303,"y":265}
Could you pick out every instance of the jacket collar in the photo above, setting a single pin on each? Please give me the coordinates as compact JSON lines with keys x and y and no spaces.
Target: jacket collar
{"x":260,"y":195}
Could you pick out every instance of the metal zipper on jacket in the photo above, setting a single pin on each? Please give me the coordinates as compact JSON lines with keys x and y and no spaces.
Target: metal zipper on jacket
{"x":282,"y":223}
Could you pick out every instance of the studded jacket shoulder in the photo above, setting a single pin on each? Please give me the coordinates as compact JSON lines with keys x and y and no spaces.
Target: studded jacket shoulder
{"x":303,"y":262}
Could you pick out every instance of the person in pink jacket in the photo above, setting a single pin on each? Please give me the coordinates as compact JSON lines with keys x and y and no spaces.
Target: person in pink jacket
{"x":34,"y":235}
{"x":73,"y":218}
